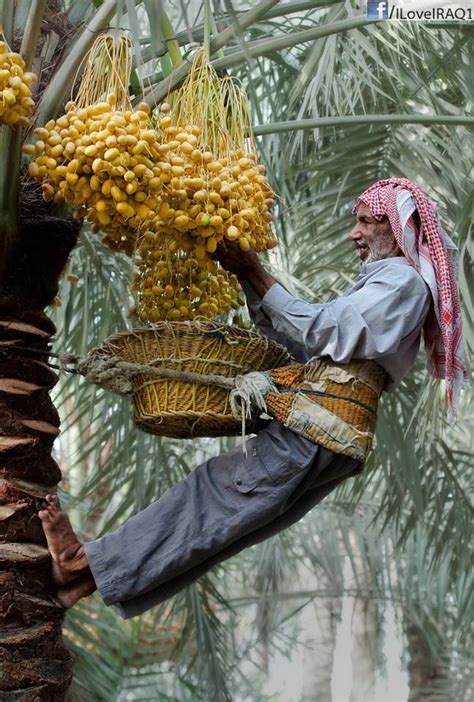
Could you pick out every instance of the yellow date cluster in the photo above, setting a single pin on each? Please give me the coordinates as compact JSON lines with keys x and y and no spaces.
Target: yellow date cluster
{"x":105,"y":163}
{"x":212,"y":197}
{"x":166,"y":188}
{"x":16,"y":102}
{"x":172,"y":284}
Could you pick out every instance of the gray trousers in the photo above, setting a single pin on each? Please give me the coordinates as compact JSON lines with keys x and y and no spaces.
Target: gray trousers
{"x":226,"y":504}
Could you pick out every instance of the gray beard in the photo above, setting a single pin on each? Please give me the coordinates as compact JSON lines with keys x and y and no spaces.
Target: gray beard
{"x":380,"y":248}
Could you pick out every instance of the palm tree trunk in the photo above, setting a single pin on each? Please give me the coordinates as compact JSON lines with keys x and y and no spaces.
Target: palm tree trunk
{"x":426,"y":678}
{"x":320,"y":619}
{"x":364,"y":627}
{"x":35,"y":664}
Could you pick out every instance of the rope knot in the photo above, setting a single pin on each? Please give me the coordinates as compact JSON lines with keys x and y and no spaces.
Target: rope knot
{"x":248,"y":395}
{"x":106,"y":372}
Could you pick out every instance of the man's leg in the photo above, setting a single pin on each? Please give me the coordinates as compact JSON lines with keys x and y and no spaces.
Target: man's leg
{"x":319,"y":482}
{"x":223,"y":501}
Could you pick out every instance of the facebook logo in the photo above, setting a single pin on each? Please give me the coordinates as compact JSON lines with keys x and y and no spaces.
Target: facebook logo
{"x":377,"y":9}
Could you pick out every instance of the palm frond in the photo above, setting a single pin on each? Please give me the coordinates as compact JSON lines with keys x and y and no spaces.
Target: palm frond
{"x":408,"y":514}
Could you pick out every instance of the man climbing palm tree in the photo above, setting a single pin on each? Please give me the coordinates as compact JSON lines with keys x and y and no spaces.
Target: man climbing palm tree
{"x":406,"y":284}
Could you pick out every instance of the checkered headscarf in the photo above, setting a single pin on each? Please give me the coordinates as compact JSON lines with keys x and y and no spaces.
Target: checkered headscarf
{"x":427,"y":248}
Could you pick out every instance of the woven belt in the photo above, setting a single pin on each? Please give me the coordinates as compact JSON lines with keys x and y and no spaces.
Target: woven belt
{"x":331,"y":404}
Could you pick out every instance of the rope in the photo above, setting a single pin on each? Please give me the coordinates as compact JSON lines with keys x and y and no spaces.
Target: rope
{"x":45,"y":354}
{"x":321,"y":393}
{"x":114,"y":374}
{"x":103,"y":369}
{"x":248,"y":393}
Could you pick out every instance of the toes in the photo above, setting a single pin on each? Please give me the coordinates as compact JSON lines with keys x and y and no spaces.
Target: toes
{"x":48,"y":504}
{"x":44,"y":515}
{"x":52,"y":504}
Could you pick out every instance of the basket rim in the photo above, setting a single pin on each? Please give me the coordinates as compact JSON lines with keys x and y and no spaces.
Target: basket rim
{"x":196,"y":328}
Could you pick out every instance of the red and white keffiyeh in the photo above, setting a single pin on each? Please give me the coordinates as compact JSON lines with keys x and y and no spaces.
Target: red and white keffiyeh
{"x":431,"y":252}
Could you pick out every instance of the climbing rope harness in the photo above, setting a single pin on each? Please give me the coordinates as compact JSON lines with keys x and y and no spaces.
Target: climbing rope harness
{"x":332,"y":404}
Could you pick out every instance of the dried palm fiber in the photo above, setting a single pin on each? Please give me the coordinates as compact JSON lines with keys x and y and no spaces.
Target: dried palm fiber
{"x":334,"y":405}
{"x":181,"y":408}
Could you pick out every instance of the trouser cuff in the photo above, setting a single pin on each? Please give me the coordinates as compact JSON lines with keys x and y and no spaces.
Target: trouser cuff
{"x":105,"y":586}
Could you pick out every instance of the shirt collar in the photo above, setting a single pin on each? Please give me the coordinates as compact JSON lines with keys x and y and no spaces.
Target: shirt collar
{"x":376,"y":265}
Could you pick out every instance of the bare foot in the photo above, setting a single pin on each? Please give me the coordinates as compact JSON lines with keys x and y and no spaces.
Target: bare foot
{"x":81,"y":587}
{"x":69,"y":558}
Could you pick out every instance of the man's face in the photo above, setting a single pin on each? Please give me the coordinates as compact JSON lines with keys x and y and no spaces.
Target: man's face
{"x":374,"y":240}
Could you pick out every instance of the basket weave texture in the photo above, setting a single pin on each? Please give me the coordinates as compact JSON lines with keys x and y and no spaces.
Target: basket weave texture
{"x":359,"y":413}
{"x":181,"y":409}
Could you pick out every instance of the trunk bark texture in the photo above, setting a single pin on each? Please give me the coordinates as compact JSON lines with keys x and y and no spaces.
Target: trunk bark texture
{"x":35,"y":664}
{"x":427,"y":680}
{"x":320,"y":620}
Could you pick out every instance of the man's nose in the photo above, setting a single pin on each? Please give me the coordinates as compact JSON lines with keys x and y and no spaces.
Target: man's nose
{"x":354,"y":234}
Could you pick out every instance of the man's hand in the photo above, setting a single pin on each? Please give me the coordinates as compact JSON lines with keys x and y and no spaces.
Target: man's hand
{"x":233,"y":259}
{"x":245,"y":265}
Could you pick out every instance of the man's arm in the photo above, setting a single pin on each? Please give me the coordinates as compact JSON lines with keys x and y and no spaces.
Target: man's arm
{"x":369,"y":323}
{"x":256,"y":282}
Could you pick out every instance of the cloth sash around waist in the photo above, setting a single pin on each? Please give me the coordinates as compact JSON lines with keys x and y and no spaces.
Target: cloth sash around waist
{"x":331,"y":404}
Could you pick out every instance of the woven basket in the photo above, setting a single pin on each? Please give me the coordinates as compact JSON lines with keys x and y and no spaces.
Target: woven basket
{"x":182,"y":409}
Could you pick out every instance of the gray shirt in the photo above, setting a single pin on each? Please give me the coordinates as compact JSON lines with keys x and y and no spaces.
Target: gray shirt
{"x":380,"y":317}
